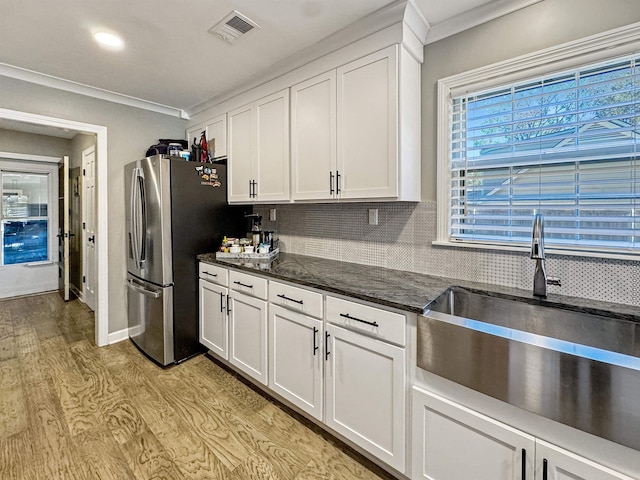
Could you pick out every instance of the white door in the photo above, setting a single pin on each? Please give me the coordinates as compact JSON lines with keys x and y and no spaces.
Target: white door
{"x":272,"y":148}
{"x":451,"y":442}
{"x":240,"y":155}
{"x":365,"y":393}
{"x":89,"y":223}
{"x":64,"y":228}
{"x":216,"y":132}
{"x":214,"y":330}
{"x":313,"y":138}
{"x":367,"y":92}
{"x":295,"y":358}
{"x":248,"y":335}
{"x":554,"y":463}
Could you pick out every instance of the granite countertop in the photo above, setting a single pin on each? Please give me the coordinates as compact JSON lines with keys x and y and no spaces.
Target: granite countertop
{"x":407,"y":291}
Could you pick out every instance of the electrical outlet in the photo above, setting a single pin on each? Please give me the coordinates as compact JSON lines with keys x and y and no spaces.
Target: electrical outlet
{"x":272,"y":214}
{"x":373,"y":216}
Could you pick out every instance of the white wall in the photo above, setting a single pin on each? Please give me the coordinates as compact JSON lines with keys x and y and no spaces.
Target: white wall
{"x":129,"y":130}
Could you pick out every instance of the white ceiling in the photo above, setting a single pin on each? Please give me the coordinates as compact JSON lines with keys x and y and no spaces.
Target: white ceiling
{"x":169,"y":57}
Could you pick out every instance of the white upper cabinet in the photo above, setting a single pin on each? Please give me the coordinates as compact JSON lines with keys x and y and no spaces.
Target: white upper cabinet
{"x":216,"y":129}
{"x":258,"y":150}
{"x":194,"y":132}
{"x":313,"y":138}
{"x":367,"y":96}
{"x":355,"y":130}
{"x":240,"y":158}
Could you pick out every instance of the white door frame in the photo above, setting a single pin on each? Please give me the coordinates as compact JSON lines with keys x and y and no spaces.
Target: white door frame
{"x":102,"y":264}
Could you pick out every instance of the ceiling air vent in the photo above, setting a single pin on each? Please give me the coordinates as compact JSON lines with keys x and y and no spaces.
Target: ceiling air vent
{"x":233,"y":26}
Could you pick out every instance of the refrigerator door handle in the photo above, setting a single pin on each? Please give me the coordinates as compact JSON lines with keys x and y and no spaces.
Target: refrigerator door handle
{"x":140,"y":289}
{"x":133,"y":216}
{"x":143,"y":213}
{"x":138,"y":217}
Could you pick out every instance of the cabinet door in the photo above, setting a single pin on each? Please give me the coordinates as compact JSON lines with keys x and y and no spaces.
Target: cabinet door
{"x":214,"y":330}
{"x":295,"y":358}
{"x":313,"y":138}
{"x":240,"y":154}
{"x":272,"y":147}
{"x":450,"y":442}
{"x":365,"y":393}
{"x":367,"y":91}
{"x":194,"y":132}
{"x":554,"y":463}
{"x":248,"y":335}
{"x":217,"y":130}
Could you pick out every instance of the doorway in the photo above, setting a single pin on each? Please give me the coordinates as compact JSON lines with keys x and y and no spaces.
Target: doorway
{"x":101,"y":208}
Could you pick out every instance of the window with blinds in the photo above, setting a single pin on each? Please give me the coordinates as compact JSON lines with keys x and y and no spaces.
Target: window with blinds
{"x":564,"y":146}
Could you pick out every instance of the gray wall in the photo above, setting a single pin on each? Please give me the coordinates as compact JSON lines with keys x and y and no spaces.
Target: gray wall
{"x":33,"y":144}
{"x":129,"y":130}
{"x":542,"y":25}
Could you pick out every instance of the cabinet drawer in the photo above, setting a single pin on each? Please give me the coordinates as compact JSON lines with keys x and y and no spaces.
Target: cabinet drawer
{"x":296,"y":298}
{"x":248,"y":284}
{"x":213,"y":273}
{"x":388,"y":326}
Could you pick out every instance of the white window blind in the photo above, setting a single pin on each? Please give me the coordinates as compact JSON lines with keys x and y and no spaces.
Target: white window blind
{"x":564,"y":146}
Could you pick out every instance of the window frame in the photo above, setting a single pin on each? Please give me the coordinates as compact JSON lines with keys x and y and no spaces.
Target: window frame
{"x":596,"y":48}
{"x":46,"y":167}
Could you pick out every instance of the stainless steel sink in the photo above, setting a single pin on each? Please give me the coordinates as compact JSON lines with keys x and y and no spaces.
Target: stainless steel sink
{"x":599,"y":331}
{"x":581,"y":369}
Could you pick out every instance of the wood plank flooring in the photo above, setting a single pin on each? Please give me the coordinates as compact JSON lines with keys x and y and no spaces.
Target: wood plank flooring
{"x":70,"y":410}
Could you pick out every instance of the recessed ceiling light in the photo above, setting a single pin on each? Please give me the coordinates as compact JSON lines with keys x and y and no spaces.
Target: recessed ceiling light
{"x":108,"y":40}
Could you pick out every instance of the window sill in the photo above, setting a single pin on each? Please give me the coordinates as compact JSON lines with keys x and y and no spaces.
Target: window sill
{"x":34,"y":264}
{"x":573,"y":252}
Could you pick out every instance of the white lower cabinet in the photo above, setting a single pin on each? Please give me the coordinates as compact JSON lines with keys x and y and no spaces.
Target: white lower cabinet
{"x":295,"y":358}
{"x":214,"y":326}
{"x":451,"y":442}
{"x":365,"y":393}
{"x":555,"y":463}
{"x":248,"y":335}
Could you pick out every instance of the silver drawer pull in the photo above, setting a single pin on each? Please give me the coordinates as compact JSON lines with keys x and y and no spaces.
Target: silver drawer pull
{"x":346,"y":315}
{"x":243,"y":284}
{"x":284,"y":297}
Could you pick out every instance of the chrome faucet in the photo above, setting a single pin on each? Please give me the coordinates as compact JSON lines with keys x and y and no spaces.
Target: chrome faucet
{"x":540,"y":279}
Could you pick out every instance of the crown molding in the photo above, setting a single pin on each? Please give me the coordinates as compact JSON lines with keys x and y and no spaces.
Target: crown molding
{"x":51,"y":81}
{"x":474,"y":17}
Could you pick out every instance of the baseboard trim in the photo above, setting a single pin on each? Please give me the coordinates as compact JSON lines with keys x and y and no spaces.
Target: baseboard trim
{"x":119,"y":336}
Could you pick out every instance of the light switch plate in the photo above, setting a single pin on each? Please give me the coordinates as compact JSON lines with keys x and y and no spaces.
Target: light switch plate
{"x":272,"y":214}
{"x":373,"y":216}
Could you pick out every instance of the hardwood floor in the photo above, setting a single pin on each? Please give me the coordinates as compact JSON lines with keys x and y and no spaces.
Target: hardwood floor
{"x":70,"y":410}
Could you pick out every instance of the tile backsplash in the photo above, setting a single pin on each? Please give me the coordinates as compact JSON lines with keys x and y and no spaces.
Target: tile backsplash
{"x":403,"y":238}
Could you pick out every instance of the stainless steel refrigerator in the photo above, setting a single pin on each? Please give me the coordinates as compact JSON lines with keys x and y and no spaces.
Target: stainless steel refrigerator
{"x":175,"y":210}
